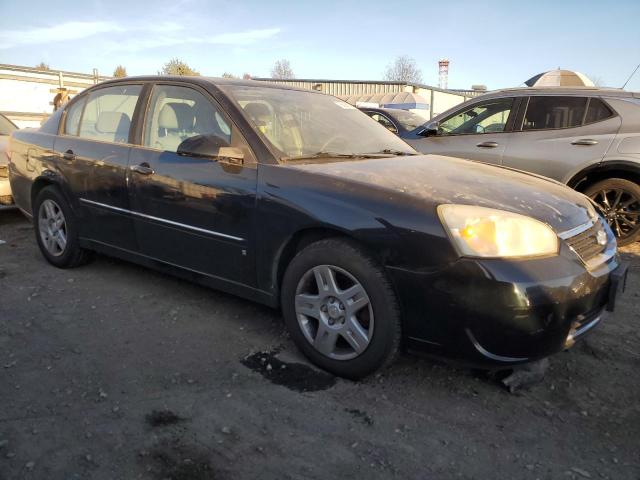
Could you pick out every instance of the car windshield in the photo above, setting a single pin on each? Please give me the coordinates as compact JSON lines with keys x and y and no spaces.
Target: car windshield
{"x":6,"y":127}
{"x":303,"y":125}
{"x":409,"y":120}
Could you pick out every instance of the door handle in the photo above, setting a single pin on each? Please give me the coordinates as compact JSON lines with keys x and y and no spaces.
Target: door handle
{"x":487,"y":144}
{"x":142,"y":169}
{"x":69,"y":155}
{"x":585,"y":141}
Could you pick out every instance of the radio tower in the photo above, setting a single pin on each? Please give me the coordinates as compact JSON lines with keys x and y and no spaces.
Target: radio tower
{"x":443,"y":73}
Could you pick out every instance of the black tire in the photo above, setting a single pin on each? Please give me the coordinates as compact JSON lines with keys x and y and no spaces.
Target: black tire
{"x":72,"y":255}
{"x":384,"y":341}
{"x":620,"y":223}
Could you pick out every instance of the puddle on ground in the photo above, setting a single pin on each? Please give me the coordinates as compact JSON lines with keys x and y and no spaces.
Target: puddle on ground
{"x":295,"y":376}
{"x":161,"y":418}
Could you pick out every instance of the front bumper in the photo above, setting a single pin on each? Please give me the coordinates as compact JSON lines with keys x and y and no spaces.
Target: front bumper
{"x":496,"y":312}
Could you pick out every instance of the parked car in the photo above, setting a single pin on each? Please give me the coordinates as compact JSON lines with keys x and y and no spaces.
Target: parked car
{"x":587,"y":138}
{"x":7,"y":127}
{"x":405,"y":124}
{"x":296,"y":199}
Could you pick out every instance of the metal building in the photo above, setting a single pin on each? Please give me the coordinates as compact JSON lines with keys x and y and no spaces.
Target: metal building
{"x":432,"y":100}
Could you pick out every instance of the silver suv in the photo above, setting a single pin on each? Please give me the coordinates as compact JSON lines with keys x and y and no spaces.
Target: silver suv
{"x":585,"y":137}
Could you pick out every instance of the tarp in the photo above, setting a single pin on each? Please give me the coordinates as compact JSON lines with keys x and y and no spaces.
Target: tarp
{"x":401,"y":100}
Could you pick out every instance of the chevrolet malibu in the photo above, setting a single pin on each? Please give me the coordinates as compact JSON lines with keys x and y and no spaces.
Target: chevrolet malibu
{"x":297,"y":200}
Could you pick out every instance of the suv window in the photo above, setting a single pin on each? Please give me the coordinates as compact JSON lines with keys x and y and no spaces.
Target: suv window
{"x":108,"y":113}
{"x":544,"y":113}
{"x":384,"y":121}
{"x":177,"y":113}
{"x":597,"y":111}
{"x":487,"y":117}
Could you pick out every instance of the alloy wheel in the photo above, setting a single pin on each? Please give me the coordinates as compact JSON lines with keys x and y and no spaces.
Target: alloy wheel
{"x":334,"y":312}
{"x":620,"y":208}
{"x":52,"y":227}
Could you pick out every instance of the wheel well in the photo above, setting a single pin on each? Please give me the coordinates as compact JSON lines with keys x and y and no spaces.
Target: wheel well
{"x":37,"y":186}
{"x":299,"y":241}
{"x":583,"y":181}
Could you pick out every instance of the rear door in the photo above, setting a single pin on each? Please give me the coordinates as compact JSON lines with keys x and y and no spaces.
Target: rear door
{"x":559,"y":135}
{"x":476,"y":132}
{"x":93,"y":153}
{"x":196,"y":213}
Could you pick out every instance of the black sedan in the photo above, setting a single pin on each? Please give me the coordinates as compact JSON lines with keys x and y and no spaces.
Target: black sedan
{"x":296,"y":199}
{"x":405,"y":124}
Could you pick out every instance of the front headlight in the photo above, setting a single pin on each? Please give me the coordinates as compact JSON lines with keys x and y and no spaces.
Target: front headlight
{"x":487,"y":232}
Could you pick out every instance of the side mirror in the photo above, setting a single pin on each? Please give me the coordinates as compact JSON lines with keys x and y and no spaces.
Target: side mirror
{"x":430,"y":129}
{"x":212,"y":147}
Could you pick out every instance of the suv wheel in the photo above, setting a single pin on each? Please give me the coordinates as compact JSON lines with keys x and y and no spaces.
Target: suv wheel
{"x":619,"y":202}
{"x":340,"y":308}
{"x":56,"y":230}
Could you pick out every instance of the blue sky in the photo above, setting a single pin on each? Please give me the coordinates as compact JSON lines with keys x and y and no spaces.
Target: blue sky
{"x":498,"y":43}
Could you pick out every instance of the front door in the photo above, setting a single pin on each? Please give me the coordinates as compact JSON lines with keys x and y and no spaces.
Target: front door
{"x":476,"y":132}
{"x":561,"y":135}
{"x":193,"y":212}
{"x":93,"y":152}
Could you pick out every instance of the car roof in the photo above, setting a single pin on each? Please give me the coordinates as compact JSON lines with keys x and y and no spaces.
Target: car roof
{"x":204,"y":81}
{"x":524,"y":91}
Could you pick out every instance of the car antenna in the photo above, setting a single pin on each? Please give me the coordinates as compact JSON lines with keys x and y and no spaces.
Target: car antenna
{"x":630,"y":76}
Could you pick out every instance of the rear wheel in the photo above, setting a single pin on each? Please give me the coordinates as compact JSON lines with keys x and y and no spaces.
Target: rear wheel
{"x":340,"y":308}
{"x":619,"y":203}
{"x":56,"y":230}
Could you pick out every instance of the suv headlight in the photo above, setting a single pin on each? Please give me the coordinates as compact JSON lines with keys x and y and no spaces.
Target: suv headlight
{"x":487,"y":232}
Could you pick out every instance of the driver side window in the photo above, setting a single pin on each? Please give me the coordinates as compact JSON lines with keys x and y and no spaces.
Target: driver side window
{"x":488,"y":117}
{"x":177,"y":113}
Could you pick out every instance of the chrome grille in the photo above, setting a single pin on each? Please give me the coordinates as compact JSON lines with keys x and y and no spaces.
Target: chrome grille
{"x":586,"y":243}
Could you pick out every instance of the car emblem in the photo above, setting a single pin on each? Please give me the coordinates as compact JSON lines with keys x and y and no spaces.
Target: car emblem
{"x":601,"y":237}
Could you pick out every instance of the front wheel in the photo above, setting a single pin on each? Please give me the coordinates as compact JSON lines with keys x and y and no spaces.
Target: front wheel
{"x":619,"y":203}
{"x":340,"y":308}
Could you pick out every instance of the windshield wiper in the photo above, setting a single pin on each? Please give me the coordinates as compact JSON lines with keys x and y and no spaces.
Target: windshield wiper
{"x":325,"y":155}
{"x":381,"y":153}
{"x":389,"y":151}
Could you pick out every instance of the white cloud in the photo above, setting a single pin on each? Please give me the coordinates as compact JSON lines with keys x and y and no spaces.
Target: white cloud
{"x":133,"y":38}
{"x":56,"y":33}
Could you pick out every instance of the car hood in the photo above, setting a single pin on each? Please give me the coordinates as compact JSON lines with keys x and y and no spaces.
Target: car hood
{"x":438,"y":180}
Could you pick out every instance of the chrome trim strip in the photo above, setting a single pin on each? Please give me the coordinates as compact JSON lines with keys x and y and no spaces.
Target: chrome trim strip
{"x":162,"y":220}
{"x":587,"y":327}
{"x":492,"y":356}
{"x":576,"y":231}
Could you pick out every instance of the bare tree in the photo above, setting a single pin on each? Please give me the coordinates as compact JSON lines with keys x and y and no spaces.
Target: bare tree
{"x":228,"y":75}
{"x":43,"y":66}
{"x":403,"y":69}
{"x":246,"y":76}
{"x":597,"y":80}
{"x":120,"y":72}
{"x":175,"y":66}
{"x":282,"y":69}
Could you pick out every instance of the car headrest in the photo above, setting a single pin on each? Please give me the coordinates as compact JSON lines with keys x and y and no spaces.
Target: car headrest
{"x":257,"y":110}
{"x":113,"y":122}
{"x":168,"y":117}
{"x":184,"y":114}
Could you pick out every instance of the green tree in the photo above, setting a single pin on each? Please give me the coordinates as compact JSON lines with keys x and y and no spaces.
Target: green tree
{"x":43,"y":66}
{"x":175,"y":66}
{"x":120,"y":72}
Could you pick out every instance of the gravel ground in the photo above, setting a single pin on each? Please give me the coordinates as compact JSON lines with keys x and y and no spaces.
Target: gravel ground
{"x":112,"y":371}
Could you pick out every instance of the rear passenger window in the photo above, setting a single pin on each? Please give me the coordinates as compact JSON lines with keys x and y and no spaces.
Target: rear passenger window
{"x":597,"y":111}
{"x":108,"y":113}
{"x":554,"y":112}
{"x":74,"y":113}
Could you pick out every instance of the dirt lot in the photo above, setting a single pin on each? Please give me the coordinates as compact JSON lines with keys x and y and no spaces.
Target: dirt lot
{"x":112,"y":371}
